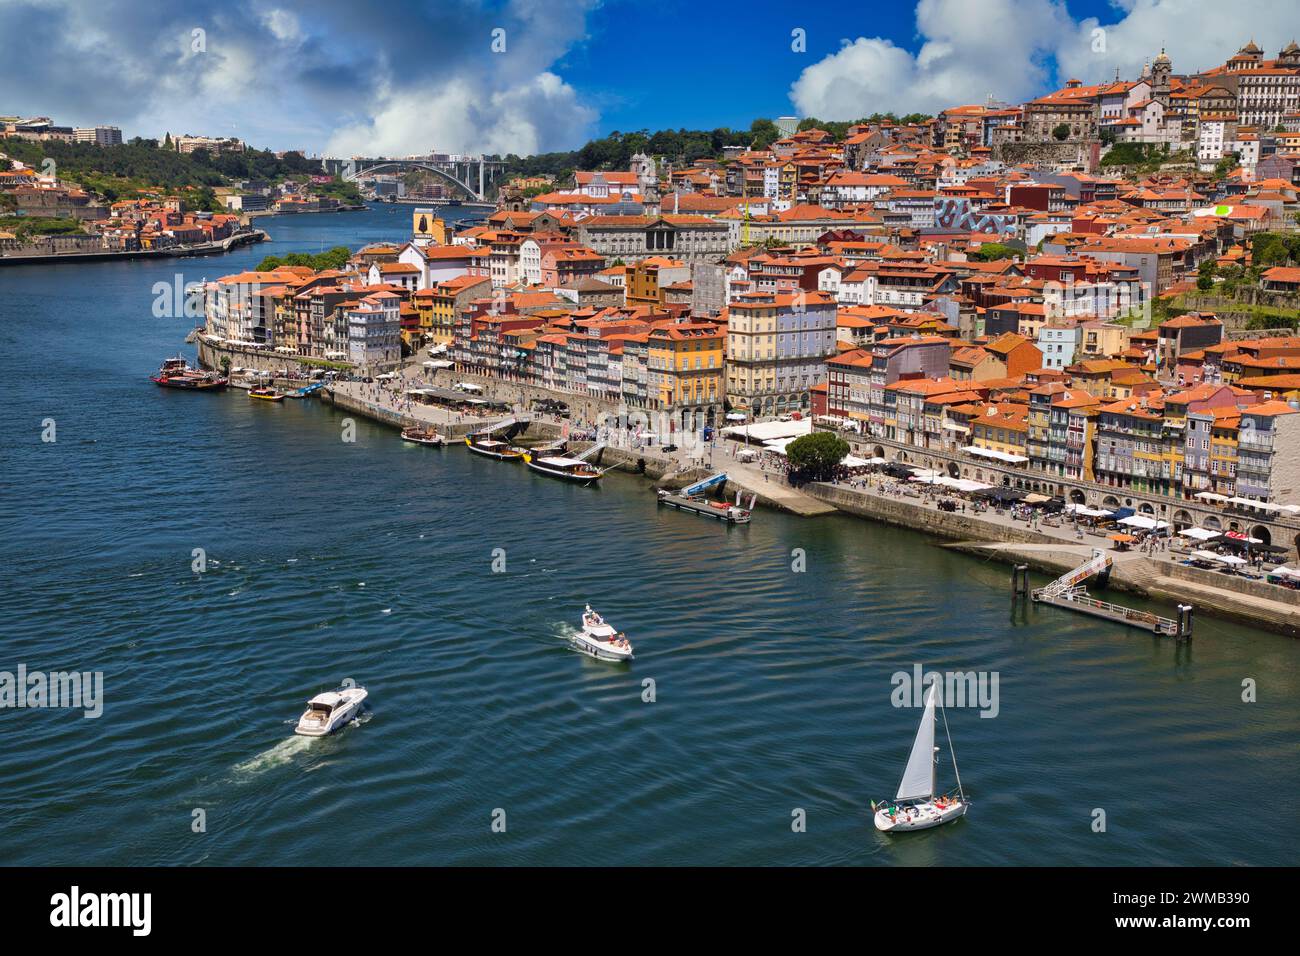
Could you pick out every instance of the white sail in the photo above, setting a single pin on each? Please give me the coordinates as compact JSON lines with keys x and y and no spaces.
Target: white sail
{"x":918,"y":778}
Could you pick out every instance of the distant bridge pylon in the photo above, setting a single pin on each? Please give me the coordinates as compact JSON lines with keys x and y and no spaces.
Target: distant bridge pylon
{"x":459,"y":171}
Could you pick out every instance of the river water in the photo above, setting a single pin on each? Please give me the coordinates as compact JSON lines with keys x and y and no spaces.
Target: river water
{"x":770,"y":727}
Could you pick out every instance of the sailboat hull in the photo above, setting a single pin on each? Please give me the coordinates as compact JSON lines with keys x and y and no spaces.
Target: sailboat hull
{"x":919,"y":816}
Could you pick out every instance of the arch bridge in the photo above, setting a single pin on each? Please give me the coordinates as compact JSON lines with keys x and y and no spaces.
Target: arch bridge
{"x":458,"y":171}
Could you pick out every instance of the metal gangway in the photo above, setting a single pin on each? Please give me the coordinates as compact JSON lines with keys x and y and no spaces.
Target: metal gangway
{"x":1099,"y":562}
{"x":591,"y":453}
{"x":489,"y":429}
{"x":704,"y":485}
{"x":1068,"y":591}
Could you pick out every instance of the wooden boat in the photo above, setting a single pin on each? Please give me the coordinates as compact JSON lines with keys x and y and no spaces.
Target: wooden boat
{"x":177,"y":373}
{"x":423,"y":436}
{"x":266,"y":394}
{"x":491,"y":448}
{"x":573,"y":470}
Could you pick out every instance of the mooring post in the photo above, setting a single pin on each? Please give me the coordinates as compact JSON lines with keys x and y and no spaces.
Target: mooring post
{"x":1019,"y":580}
{"x":1184,"y":622}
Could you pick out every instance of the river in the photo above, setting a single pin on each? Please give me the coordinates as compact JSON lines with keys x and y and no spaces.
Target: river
{"x":770,"y":725}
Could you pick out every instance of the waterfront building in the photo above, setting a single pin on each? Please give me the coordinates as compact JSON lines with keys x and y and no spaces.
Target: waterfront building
{"x":777,"y":347}
{"x":374,"y":330}
{"x":438,"y":306}
{"x":684,"y":365}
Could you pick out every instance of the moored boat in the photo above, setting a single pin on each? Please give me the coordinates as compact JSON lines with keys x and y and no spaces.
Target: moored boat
{"x":600,"y":640}
{"x":916,"y":805}
{"x":573,"y":470}
{"x":329,"y":711}
{"x":423,"y":436}
{"x":492,"y":448}
{"x":266,"y":394}
{"x":177,"y":373}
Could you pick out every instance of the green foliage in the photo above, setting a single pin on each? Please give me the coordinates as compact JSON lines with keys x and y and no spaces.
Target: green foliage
{"x":1261,"y":322}
{"x":1145,"y":157}
{"x":815,"y":456}
{"x":24,"y":227}
{"x":991,"y":251}
{"x":615,"y":151}
{"x":1226,"y":165}
{"x":1204,"y":283}
{"x":1061,"y":131}
{"x":1270,"y":249}
{"x":141,"y":166}
{"x":345,"y":192}
{"x":335,"y":258}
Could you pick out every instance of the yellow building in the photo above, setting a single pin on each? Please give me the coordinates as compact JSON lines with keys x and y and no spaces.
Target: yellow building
{"x":426,"y":227}
{"x":1002,"y":428}
{"x":685,"y":368}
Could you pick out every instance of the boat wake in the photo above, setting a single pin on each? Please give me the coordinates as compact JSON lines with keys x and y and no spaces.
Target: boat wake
{"x":282,"y":753}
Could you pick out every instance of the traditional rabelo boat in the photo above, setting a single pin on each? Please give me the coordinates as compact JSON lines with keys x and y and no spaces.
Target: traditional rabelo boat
{"x":492,"y":448}
{"x":573,"y":470}
{"x":177,"y":373}
{"x":423,"y":436}
{"x":266,"y":394}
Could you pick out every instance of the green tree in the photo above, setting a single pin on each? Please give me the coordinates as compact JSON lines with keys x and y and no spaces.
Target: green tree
{"x":1061,"y":131}
{"x":814,"y":457}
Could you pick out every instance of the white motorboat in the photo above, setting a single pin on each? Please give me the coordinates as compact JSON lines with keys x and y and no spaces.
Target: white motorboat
{"x":331,"y":710}
{"x":916,"y":806}
{"x":600,"y":640}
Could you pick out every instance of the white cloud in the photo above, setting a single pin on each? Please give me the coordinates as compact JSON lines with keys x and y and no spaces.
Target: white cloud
{"x":972,"y":48}
{"x":538,"y":115}
{"x":1197,"y":34}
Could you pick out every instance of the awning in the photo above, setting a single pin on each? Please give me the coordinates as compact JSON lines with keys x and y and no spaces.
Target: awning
{"x":954,"y":427}
{"x":1220,"y":558}
{"x":1210,"y":496}
{"x":1200,"y":534}
{"x":1086,"y":511}
{"x":1143,"y":521}
{"x":1033,"y":498}
{"x":997,"y":455}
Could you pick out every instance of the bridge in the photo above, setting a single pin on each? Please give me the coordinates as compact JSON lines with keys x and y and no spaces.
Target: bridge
{"x":458,"y":171}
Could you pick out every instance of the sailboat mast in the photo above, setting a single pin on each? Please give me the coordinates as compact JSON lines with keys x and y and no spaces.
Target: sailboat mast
{"x":960,"y":792}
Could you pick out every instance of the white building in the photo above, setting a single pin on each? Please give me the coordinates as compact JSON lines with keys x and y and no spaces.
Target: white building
{"x":375,"y":331}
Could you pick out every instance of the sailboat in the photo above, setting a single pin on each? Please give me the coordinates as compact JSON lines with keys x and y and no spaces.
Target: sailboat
{"x":916,"y":806}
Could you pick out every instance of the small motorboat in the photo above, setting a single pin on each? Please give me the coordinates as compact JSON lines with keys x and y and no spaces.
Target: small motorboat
{"x":916,"y":805}
{"x":423,"y":436}
{"x":600,"y":640}
{"x":329,"y":711}
{"x":266,"y":394}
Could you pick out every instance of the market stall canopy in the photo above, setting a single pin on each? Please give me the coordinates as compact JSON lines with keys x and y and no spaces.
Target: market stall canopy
{"x":1087,"y":512}
{"x":1200,"y":534}
{"x":1210,"y":496}
{"x":770,"y":431}
{"x":1220,"y":558}
{"x":996,"y":455}
{"x":1144,"y":522}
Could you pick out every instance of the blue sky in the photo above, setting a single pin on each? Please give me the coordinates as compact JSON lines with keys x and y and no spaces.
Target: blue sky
{"x":346,"y":78}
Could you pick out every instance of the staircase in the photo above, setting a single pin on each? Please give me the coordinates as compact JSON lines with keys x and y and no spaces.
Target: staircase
{"x":1067,"y":582}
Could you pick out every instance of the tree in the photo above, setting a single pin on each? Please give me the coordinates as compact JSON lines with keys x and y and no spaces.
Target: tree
{"x":1062,"y":131}
{"x":814,"y":457}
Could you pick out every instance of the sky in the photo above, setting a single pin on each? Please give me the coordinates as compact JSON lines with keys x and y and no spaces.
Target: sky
{"x":343,"y":78}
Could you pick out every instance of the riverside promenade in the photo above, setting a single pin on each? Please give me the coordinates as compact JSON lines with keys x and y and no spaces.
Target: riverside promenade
{"x":1155,"y":572}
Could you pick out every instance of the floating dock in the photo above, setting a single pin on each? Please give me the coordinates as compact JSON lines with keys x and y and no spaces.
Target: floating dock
{"x":691,"y":498}
{"x":1068,"y":591}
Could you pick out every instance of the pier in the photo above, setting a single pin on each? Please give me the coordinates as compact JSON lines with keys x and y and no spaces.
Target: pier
{"x":1068,"y":591}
